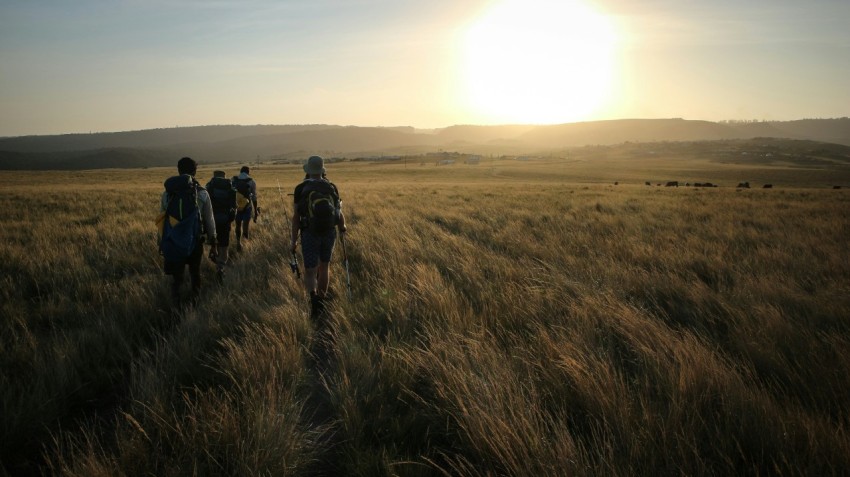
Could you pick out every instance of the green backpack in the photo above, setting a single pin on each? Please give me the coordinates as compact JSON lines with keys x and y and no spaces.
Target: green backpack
{"x":319,"y":206}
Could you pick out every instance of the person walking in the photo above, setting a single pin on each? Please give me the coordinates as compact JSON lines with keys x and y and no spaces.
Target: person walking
{"x":223,"y":198}
{"x":186,"y":218}
{"x":247,"y":208}
{"x":318,"y":218}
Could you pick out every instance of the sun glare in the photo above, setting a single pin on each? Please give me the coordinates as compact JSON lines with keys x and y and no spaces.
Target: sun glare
{"x":539,"y":61}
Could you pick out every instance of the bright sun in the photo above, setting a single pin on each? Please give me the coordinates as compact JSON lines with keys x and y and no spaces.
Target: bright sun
{"x":539,"y":61}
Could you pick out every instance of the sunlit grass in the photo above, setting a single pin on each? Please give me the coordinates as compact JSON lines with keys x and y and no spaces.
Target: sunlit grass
{"x":502,"y":322}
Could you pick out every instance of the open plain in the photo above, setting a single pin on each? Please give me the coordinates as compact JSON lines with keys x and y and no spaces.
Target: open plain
{"x":508,"y":317}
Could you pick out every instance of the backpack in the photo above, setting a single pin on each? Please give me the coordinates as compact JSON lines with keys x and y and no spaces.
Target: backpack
{"x":181,"y":227}
{"x":319,"y":206}
{"x":223,"y":198}
{"x":243,"y":186}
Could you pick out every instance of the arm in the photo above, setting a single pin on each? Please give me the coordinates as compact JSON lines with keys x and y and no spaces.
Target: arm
{"x":341,"y":224}
{"x":207,"y":216}
{"x":294,"y":227}
{"x":256,"y":208}
{"x":295,"y":223}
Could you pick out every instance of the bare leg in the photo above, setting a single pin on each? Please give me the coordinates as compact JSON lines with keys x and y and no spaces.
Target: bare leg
{"x":310,"y":280}
{"x":175,"y":286}
{"x":222,"y":256}
{"x":195,"y":271}
{"x":238,"y":235}
{"x":221,"y":261}
{"x":323,"y":278}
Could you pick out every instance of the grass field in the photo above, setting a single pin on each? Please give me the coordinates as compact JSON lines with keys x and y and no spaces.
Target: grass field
{"x":506,"y":318}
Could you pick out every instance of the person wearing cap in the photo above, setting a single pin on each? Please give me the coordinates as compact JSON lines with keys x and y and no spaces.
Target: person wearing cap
{"x":318,"y":235}
{"x":247,"y":200}
{"x":223,"y":198}
{"x":187,"y":166}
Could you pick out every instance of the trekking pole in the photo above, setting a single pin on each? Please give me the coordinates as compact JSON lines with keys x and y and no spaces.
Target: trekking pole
{"x":345,"y":260}
{"x":293,"y":258}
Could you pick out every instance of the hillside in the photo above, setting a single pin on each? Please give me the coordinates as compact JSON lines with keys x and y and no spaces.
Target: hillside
{"x":214,"y":144}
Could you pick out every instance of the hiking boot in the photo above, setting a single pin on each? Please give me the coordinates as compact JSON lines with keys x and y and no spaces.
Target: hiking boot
{"x":317,"y":306}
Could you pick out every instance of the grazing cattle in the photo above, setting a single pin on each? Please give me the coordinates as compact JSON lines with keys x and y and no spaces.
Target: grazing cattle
{"x":648,"y":183}
{"x":744,"y":185}
{"x":836,"y":187}
{"x":672,"y":184}
{"x":616,"y":183}
{"x":697,"y":184}
{"x":767,"y":186}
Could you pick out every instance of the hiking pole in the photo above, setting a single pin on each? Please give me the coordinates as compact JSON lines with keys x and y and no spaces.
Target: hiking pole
{"x":293,"y":258}
{"x":345,"y":260}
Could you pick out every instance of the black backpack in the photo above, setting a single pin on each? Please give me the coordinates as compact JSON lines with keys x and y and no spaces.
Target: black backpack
{"x":243,"y":186}
{"x":319,"y":206}
{"x":223,"y":198}
{"x":181,"y":229}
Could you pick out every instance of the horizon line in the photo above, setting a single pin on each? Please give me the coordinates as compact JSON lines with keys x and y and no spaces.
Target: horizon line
{"x":723,"y":121}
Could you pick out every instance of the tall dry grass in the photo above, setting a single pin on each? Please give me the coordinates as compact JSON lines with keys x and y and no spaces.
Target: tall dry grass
{"x":501,"y":323}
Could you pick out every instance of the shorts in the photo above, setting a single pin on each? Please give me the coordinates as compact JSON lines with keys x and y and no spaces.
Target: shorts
{"x":222,"y":229}
{"x":317,"y":248}
{"x":245,"y":214}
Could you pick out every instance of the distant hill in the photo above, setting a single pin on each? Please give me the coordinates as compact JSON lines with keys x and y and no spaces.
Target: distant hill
{"x":214,"y":144}
{"x":149,"y":138}
{"x":629,"y":130}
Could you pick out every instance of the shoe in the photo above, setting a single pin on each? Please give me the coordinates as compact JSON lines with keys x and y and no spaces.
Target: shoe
{"x":317,"y":306}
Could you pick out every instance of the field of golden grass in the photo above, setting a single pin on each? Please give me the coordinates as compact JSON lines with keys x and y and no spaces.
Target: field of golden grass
{"x":506,"y":318}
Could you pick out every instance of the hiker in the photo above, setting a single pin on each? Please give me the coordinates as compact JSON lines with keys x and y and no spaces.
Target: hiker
{"x":318,"y":217}
{"x":187,"y":217}
{"x":247,"y":208}
{"x":223,"y":198}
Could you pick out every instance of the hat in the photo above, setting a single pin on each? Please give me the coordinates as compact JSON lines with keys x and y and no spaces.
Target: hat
{"x":315,"y":165}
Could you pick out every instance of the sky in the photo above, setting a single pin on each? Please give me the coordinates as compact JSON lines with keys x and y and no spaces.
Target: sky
{"x":99,"y":66}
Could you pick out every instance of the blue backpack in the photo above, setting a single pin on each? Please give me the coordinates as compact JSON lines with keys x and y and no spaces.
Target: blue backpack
{"x":181,"y":229}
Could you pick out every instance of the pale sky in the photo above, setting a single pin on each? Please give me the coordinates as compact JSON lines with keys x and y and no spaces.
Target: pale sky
{"x":98,"y":66}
